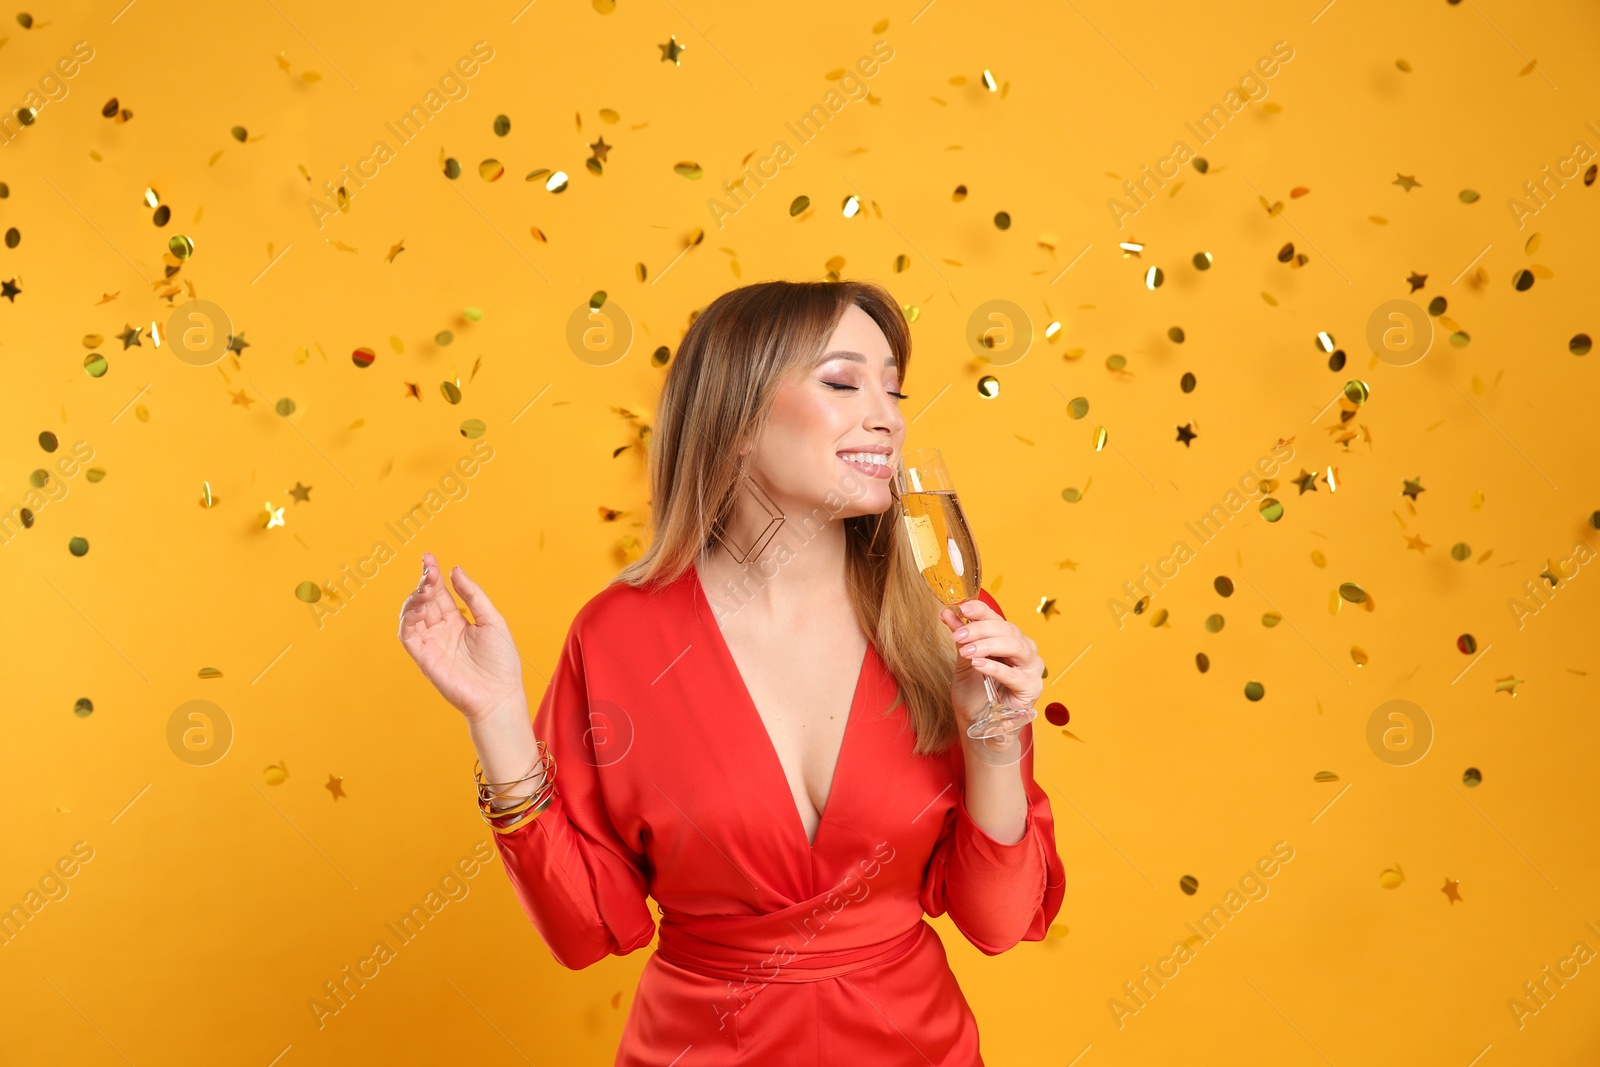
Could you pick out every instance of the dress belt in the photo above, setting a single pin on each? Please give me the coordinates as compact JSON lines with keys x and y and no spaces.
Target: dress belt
{"x":769,"y":948}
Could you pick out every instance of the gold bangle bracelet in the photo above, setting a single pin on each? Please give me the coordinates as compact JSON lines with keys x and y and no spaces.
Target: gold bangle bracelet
{"x":525,"y":817}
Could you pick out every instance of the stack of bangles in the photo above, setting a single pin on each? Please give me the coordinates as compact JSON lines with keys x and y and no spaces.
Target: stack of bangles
{"x":526,"y":810}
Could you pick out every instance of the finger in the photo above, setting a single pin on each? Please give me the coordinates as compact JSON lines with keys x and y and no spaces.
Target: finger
{"x":476,"y":599}
{"x":1005,"y":645}
{"x":974,"y":610}
{"x":1014,"y":678}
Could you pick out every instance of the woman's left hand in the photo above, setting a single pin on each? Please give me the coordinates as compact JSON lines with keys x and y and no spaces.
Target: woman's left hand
{"x":1000,"y":650}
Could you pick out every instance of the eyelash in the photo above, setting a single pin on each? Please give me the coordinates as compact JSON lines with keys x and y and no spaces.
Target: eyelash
{"x":897,"y":396}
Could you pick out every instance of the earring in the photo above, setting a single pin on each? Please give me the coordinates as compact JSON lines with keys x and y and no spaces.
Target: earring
{"x":774,"y":521}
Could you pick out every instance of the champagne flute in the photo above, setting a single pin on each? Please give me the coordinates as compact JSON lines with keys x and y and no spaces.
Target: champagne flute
{"x":948,"y":558}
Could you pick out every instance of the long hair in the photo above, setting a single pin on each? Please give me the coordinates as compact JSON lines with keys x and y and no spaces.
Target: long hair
{"x":717,"y":397}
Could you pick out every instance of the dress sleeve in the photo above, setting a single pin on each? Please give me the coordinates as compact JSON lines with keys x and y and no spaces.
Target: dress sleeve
{"x":998,"y":894}
{"x":578,"y":881}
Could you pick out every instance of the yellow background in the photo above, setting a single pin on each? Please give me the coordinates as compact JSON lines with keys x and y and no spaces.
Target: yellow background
{"x":217,"y":905}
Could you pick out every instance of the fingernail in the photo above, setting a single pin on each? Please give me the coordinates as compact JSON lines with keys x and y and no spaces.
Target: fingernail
{"x":959,"y":634}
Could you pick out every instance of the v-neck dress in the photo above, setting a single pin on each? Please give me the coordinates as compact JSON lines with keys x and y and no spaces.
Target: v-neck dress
{"x":773,"y":951}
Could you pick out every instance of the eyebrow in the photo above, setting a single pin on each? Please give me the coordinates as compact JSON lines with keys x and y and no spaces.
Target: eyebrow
{"x":857,"y":357}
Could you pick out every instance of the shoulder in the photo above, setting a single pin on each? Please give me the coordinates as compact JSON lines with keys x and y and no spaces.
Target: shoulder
{"x":620,"y":609}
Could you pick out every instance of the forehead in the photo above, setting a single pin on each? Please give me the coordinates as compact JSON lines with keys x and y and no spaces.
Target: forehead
{"x":858,"y":339}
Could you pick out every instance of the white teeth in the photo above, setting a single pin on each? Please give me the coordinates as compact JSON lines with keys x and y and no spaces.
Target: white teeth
{"x":876,"y":459}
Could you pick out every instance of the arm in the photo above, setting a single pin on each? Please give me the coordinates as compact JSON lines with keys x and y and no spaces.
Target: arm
{"x":577,"y":880}
{"x":998,"y":890}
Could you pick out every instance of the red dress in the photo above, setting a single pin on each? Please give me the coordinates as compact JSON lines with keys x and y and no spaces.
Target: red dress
{"x":772,"y":951}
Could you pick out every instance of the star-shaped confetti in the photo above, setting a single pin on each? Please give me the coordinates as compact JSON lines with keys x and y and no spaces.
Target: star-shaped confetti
{"x":413,"y":389}
{"x":130,"y":336}
{"x":1549,"y":574}
{"x":1416,"y":281}
{"x":1508,"y":684}
{"x":1186,"y":434}
{"x":395,"y":250}
{"x":1449,"y":890}
{"x":1067,"y":564}
{"x":600,"y":149}
{"x":1413,"y":487}
{"x":1418,"y":543}
{"x":301,"y":493}
{"x":243,"y":399}
{"x":1405,"y":181}
{"x":335,"y":785}
{"x":237,"y":343}
{"x":672,"y":50}
{"x":1047,"y":607}
{"x":9,"y":290}
{"x":272,"y":516}
{"x":1307,"y":481}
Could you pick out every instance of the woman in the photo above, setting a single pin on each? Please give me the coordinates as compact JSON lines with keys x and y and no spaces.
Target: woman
{"x":787,"y":771}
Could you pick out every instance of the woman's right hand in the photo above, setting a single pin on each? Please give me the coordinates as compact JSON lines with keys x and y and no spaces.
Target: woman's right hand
{"x":475,"y":666}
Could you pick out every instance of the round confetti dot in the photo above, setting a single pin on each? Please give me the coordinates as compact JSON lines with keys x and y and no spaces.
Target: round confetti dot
{"x":796,"y":206}
{"x":443,"y":337}
{"x":1153,"y":278}
{"x":1202,"y":261}
{"x":473,"y":428}
{"x":1358,"y":655}
{"x":1116,"y":362}
{"x":1352,"y":592}
{"x":1357,"y":392}
{"x":1391,"y":878}
{"x":1186,"y":383}
{"x":1189,"y":884}
{"x":1078,"y":407}
{"x":1467,"y":644}
{"x":1056,"y":714}
{"x":275,"y":774}
{"x":1223,"y":585}
{"x":78,"y":546}
{"x":1471,"y":776}
{"x":473,"y":314}
{"x":1254,"y":690}
{"x":1460,"y":551}
{"x":451,"y":392}
{"x":39,"y":478}
{"x":48,"y":442}
{"x":1199,"y":163}
{"x":1437,"y":305}
{"x":1468,"y":196}
{"x":1522,"y":280}
{"x":502,"y":125}
{"x":1579,"y":345}
{"x":1336,"y":361}
{"x":988,"y":387}
{"x":95,"y":364}
{"x":363,"y":357}
{"x":1071,"y":495}
{"x":180,"y":246}
{"x":1214,"y":623}
{"x":452,"y":168}
{"x":1175,"y":334}
{"x":162,"y":215}
{"x":83,"y":707}
{"x":284,"y":407}
{"x":660,"y":356}
{"x":1271,"y":509}
{"x":1002,"y":220}
{"x":1202,"y":661}
{"x":1270,"y":619}
{"x":310,"y":592}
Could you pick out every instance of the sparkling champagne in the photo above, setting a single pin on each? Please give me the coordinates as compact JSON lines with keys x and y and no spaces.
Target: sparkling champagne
{"x":942,"y":544}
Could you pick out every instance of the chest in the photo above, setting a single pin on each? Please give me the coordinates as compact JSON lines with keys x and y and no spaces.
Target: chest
{"x":802,"y":689}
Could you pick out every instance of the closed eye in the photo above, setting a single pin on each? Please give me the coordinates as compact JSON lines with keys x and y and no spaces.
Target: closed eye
{"x":840,"y":385}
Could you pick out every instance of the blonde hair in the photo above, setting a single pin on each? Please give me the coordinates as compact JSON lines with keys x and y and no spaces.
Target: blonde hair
{"x":717,"y":397}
